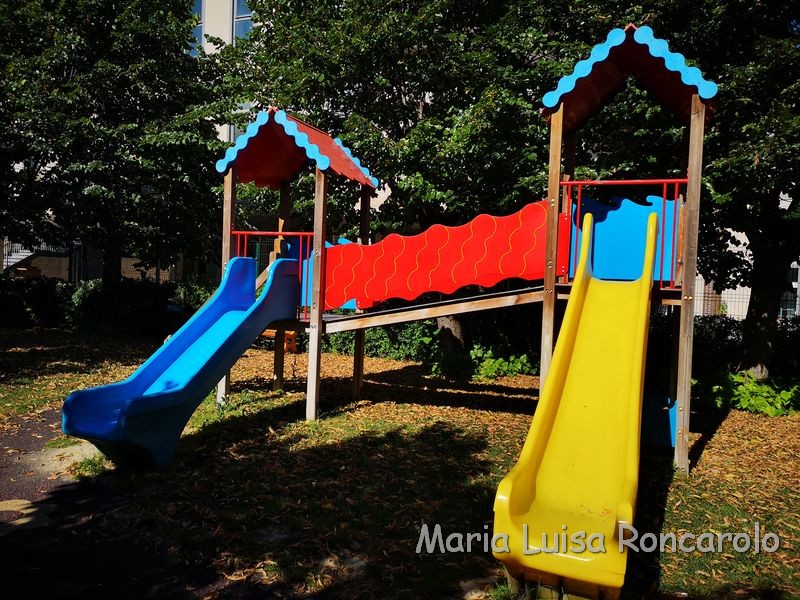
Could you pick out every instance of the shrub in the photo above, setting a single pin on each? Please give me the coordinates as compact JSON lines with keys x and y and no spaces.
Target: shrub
{"x":12,"y":309}
{"x":772,"y":397}
{"x":34,"y":301}
{"x":786,"y":356}
{"x":416,"y":340}
{"x":138,"y":307}
{"x":49,"y":301}
{"x":487,"y":366}
{"x":193,"y":293}
{"x":717,"y":344}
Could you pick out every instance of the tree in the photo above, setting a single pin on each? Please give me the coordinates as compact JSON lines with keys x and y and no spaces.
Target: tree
{"x":113,"y":145}
{"x":753,"y":151}
{"x":441,"y":99}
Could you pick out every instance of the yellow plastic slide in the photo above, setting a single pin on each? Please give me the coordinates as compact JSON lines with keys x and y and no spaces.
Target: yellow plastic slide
{"x":558,"y":512}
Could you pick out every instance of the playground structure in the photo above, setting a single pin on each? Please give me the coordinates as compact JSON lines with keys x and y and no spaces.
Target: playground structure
{"x":610,"y":262}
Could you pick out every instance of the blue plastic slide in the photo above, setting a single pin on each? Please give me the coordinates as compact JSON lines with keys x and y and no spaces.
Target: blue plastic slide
{"x":137,"y":422}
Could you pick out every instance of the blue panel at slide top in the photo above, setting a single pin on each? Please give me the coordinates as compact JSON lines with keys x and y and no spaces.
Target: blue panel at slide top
{"x":308,"y":269}
{"x":138,"y":421}
{"x":618,"y":251}
{"x":618,"y":248}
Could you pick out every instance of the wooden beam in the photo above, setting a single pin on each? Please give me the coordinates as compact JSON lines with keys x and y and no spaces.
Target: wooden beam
{"x":553,"y":195}
{"x":363,"y":214}
{"x":284,"y":210}
{"x":262,"y":278}
{"x":686,"y":328}
{"x":317,"y":296}
{"x":278,"y":359}
{"x":360,"y":338}
{"x":431,"y":311}
{"x":569,"y":154}
{"x":228,"y":215}
{"x":228,"y":224}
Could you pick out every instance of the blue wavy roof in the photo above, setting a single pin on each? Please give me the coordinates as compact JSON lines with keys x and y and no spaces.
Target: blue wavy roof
{"x":634,"y":52}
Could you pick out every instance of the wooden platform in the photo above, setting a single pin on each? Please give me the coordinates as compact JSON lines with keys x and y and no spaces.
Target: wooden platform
{"x":333,"y":323}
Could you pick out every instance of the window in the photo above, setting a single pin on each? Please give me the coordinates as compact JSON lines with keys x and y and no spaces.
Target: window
{"x":235,"y":132}
{"x":242,"y":19}
{"x":197,"y":9}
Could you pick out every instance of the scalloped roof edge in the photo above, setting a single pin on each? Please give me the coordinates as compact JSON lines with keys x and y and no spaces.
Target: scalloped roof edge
{"x":356,"y":162}
{"x":657,"y":48}
{"x":301,"y":140}
{"x":280,"y":117}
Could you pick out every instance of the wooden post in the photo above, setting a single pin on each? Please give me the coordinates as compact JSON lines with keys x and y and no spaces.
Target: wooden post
{"x":318,"y":296}
{"x":569,"y":154}
{"x":228,"y":224}
{"x":553,"y":195}
{"x":686,"y":333}
{"x":284,"y":209}
{"x":358,"y":350}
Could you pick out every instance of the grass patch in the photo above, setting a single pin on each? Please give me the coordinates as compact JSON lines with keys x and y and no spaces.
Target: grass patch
{"x":40,"y":367}
{"x":62,"y":441}
{"x":90,"y":467}
{"x":748,"y":473}
{"x":333,"y":508}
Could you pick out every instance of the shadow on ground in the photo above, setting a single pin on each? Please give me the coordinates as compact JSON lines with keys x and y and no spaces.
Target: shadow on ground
{"x":36,"y":352}
{"x":278,"y":515}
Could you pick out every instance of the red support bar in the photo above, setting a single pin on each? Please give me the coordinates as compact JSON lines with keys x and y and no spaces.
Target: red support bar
{"x":672,"y":265}
{"x":662,"y":234}
{"x":587,"y":182}
{"x":566,"y":231}
{"x":677,"y":208}
{"x":578,"y":202}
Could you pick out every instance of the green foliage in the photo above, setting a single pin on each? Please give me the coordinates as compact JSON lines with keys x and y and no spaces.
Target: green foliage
{"x":12,"y":309}
{"x":89,"y":467}
{"x":772,"y":397}
{"x":487,"y":366}
{"x":106,"y":135}
{"x":193,"y":293}
{"x":49,"y":301}
{"x":138,"y":307}
{"x":417,"y":341}
{"x":62,"y":441}
{"x":34,"y":301}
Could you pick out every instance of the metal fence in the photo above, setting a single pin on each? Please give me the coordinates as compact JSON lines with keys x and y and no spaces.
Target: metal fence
{"x":82,"y":263}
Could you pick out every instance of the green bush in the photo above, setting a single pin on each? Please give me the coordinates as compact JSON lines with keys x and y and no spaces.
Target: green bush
{"x":416,"y":340}
{"x":48,"y":300}
{"x":487,"y":366}
{"x":786,"y":352}
{"x":772,"y":397}
{"x":34,"y":301}
{"x":13,"y":314}
{"x":717,"y":344}
{"x":138,"y":307}
{"x":193,"y":293}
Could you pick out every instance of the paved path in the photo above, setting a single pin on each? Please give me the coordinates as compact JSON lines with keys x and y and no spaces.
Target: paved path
{"x":55,"y":541}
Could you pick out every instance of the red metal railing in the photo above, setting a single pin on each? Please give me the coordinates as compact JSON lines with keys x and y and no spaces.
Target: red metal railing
{"x":665,"y":184}
{"x":259,"y":244}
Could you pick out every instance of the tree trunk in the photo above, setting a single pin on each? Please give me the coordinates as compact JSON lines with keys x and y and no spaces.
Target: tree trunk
{"x":112,"y":264}
{"x":455,"y":360}
{"x":767,"y":285}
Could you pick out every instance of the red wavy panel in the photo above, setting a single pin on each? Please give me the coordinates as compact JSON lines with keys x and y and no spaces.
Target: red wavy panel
{"x":483,"y":252}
